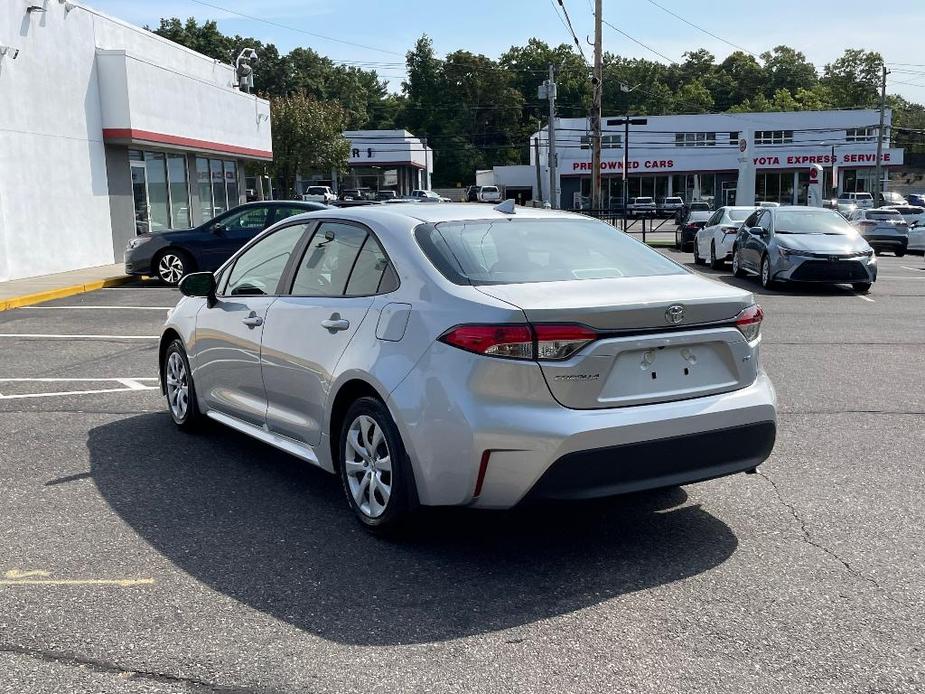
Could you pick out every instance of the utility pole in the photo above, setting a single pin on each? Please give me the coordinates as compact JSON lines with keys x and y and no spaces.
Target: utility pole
{"x":878,"y":184}
{"x":536,"y":161}
{"x":550,"y":85}
{"x":597,"y":85}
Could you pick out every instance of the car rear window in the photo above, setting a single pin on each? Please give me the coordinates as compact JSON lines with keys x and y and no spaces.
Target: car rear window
{"x":883,"y":214}
{"x":644,"y":200}
{"x":862,"y":196}
{"x":490,"y":189}
{"x":537,"y":250}
{"x":739,"y":215}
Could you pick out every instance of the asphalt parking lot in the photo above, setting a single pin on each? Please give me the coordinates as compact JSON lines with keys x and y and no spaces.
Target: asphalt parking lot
{"x":136,"y":558}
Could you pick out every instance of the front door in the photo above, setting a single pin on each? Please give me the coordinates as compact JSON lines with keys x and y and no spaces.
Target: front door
{"x":232,"y":231}
{"x":226,"y":353}
{"x":140,"y":197}
{"x":308,"y":331}
{"x":755,"y":243}
{"x":729,"y":196}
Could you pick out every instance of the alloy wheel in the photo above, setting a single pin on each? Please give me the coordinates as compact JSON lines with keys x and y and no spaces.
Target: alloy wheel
{"x":177,"y":381}
{"x":170,"y":268}
{"x":368,"y":466}
{"x":765,"y":272}
{"x":735,"y":262}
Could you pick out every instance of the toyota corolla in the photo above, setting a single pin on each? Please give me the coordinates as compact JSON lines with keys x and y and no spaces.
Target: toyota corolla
{"x":460,"y":355}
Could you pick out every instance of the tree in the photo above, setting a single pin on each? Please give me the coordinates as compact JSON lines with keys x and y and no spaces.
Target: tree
{"x":854,"y":79}
{"x":693,"y":97}
{"x":738,"y":77}
{"x":785,"y":68}
{"x":307,"y":134}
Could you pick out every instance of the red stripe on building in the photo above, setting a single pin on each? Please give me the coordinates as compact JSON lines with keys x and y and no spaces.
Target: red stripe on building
{"x":186,"y":142}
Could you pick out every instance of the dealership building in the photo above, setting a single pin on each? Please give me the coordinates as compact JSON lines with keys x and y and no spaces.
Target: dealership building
{"x":380,"y":160}
{"x":109,"y":130}
{"x":697,"y":157}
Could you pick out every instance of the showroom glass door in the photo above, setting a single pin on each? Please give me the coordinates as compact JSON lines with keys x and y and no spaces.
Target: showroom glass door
{"x":140,"y":197}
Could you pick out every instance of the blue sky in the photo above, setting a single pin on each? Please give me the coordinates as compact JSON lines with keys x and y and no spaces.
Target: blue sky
{"x":821,"y":30}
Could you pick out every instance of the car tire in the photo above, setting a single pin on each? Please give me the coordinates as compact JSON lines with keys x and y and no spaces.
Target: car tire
{"x":179,"y":388}
{"x":861,"y":287}
{"x":900,"y":254}
{"x":877,"y":251}
{"x":380,"y":497}
{"x":171,"y":265}
{"x":697,"y":259}
{"x":714,"y":262}
{"x":765,"y":274}
{"x":737,"y":269}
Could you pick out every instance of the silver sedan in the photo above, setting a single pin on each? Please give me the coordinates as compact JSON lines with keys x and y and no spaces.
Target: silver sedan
{"x":460,"y":355}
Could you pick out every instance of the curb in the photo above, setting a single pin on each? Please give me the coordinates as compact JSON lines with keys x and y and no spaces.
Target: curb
{"x":60,"y":293}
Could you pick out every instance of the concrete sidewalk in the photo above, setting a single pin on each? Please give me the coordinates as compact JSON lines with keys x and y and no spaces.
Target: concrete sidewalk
{"x":35,"y":290}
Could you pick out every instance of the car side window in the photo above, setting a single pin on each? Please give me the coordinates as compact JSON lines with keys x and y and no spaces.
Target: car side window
{"x":715,"y":218}
{"x":328,"y":260}
{"x":764,"y":220}
{"x":251,"y":218}
{"x":257,"y":271}
{"x":284,"y":211}
{"x":372,"y":273}
{"x":750,"y":222}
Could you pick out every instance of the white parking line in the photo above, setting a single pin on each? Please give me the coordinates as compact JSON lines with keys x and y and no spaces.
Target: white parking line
{"x":866,"y":298}
{"x":128,"y":384}
{"x":49,"y":336}
{"x":916,"y":269}
{"x":97,"y":308}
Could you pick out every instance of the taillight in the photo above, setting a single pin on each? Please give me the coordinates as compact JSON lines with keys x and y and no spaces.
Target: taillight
{"x":513,"y":341}
{"x":544,"y":341}
{"x":561,"y":341}
{"x":749,"y":322}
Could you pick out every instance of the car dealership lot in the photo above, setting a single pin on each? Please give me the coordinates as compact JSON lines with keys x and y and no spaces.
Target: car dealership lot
{"x":137,"y":558}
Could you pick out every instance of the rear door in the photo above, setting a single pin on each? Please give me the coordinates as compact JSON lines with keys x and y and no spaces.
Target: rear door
{"x":339,"y":273}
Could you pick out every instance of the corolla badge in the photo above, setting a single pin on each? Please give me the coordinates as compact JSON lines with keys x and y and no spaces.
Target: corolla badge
{"x":674,"y":314}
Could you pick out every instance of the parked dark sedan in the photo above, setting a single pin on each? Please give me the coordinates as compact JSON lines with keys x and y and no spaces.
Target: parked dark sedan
{"x":170,"y":255}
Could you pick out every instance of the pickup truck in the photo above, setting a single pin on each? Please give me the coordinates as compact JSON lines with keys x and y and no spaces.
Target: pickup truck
{"x":319,"y":194}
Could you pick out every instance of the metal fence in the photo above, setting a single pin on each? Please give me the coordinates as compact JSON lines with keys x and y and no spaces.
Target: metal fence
{"x":649,"y":229}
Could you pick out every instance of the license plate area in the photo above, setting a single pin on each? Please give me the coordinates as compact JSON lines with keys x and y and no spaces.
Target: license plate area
{"x":660,"y":373}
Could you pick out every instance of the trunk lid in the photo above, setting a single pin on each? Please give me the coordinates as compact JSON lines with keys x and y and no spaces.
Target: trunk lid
{"x":642,"y":357}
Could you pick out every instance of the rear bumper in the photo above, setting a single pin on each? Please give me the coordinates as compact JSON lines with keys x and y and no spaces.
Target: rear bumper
{"x":450,"y":417}
{"x":658,"y":463}
{"x":887,"y":241}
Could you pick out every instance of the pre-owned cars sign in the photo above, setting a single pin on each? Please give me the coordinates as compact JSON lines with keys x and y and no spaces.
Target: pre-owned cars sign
{"x":706,"y":160}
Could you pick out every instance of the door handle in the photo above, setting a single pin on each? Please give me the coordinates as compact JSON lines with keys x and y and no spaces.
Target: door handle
{"x":252,"y":321}
{"x":335,"y":323}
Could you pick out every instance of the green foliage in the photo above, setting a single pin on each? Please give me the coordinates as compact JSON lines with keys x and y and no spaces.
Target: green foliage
{"x":476,"y":112}
{"x":307,"y":134}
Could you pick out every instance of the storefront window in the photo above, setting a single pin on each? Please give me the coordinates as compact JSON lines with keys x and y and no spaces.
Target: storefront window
{"x":219,"y":199}
{"x":786,"y":188}
{"x":179,"y":191}
{"x":205,"y":189}
{"x":231,"y":183}
{"x":156,"y":172}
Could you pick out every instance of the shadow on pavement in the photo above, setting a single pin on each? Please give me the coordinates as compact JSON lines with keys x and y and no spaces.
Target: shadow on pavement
{"x":276,"y":535}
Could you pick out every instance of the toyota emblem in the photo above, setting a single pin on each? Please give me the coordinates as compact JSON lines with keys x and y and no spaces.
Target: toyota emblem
{"x":674,"y":314}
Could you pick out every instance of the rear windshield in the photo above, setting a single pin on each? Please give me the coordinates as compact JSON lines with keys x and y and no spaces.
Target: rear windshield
{"x":739,"y":215}
{"x":537,"y":250}
{"x":316,"y":189}
{"x":861,"y":196}
{"x":673,"y":200}
{"x":700,"y":206}
{"x":490,"y":189}
{"x":643,"y":200}
{"x":811,"y":221}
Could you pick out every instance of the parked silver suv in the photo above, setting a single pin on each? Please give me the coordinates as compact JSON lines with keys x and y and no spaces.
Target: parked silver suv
{"x":458,"y":355}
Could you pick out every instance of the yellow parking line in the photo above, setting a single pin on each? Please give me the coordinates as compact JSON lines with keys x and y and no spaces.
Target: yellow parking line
{"x":121,"y":582}
{"x":38,"y":577}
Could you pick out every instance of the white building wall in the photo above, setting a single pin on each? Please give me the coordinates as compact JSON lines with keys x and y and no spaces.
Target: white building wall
{"x":54,"y":193}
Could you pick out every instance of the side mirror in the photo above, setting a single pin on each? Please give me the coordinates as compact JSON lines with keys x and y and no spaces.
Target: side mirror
{"x":756,"y":231}
{"x":218,"y":228}
{"x":199,"y":284}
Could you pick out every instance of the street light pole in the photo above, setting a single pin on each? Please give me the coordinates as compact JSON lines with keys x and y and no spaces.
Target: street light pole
{"x":626,"y":121}
{"x":878,"y":183}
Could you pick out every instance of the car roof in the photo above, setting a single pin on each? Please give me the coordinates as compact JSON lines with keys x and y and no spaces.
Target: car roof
{"x":416,"y":213}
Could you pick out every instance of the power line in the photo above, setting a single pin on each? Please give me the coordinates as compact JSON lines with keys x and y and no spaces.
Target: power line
{"x":301,"y":31}
{"x":700,"y":28}
{"x":648,"y":48}
{"x":571,"y":29}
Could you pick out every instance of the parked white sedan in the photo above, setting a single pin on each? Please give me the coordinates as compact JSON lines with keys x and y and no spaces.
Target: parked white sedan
{"x":916,"y":240}
{"x":915,"y":218}
{"x":716,"y":239}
